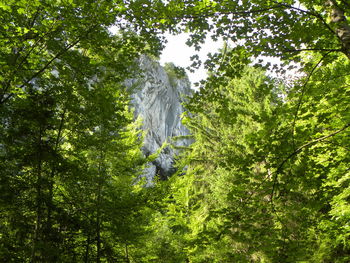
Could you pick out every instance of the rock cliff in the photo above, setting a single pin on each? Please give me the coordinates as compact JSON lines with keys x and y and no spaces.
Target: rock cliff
{"x":157,"y":97}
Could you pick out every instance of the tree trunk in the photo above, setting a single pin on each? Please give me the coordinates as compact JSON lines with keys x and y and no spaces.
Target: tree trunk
{"x":98,"y":212}
{"x":342,"y":27}
{"x":87,"y":248}
{"x":98,"y":238}
{"x":49,"y":201}
{"x":127,"y":253}
{"x":38,"y":201}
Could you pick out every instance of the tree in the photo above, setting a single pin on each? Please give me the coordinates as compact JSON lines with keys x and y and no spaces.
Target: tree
{"x":308,"y":139}
{"x":255,"y":189}
{"x":62,"y":103}
{"x":266,"y":179}
{"x":50,"y":138}
{"x":36,"y":35}
{"x":320,"y":125}
{"x":270,"y":28}
{"x":218,"y":210}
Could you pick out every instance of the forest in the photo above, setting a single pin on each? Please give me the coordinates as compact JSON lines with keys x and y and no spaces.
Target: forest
{"x":266,"y":178}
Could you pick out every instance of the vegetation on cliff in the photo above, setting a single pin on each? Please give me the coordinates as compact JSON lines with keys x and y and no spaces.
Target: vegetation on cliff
{"x":266,"y":179}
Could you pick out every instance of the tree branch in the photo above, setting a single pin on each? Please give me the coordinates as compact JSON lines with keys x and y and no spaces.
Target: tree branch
{"x":36,"y":44}
{"x":314,"y":49}
{"x":302,"y":95}
{"x":249,"y":12}
{"x":345,"y":3}
{"x":297,"y":151}
{"x":311,"y":143}
{"x":312,"y":13}
{"x":59,"y":54}
{"x":296,"y":8}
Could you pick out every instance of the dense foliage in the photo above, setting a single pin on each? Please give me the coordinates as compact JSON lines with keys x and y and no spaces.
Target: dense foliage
{"x":263,"y":183}
{"x":266,"y":179}
{"x":69,"y":153}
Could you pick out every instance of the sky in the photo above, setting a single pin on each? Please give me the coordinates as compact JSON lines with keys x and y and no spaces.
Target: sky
{"x":179,"y":53}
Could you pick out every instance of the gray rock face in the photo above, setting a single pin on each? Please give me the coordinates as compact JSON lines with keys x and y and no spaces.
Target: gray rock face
{"x":157,"y":98}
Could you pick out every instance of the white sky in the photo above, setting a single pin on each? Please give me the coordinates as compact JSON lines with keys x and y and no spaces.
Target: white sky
{"x":179,"y":53}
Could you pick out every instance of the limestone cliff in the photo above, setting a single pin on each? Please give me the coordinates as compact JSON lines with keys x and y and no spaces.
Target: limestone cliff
{"x":157,"y":97}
